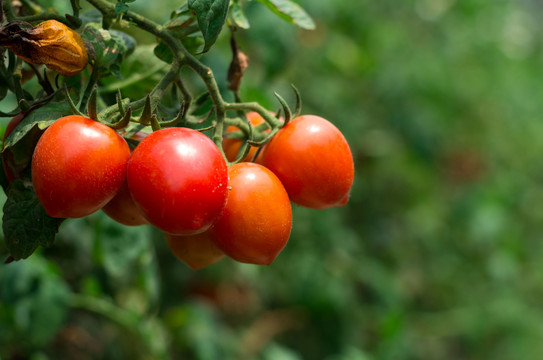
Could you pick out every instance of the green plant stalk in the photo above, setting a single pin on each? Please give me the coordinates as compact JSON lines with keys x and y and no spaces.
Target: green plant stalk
{"x":43,"y":81}
{"x":93,"y":80}
{"x":183,"y":58}
{"x":44,"y":16}
{"x":35,"y":8}
{"x":155,"y":95}
{"x":41,"y":16}
{"x":8,"y":11}
{"x":256,"y":107}
{"x":7,"y":79}
{"x":75,"y":7}
{"x":256,"y":133}
{"x":187,"y":97}
{"x":17,"y":76}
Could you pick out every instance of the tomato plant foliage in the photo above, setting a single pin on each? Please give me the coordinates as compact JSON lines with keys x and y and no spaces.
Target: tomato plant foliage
{"x":66,"y":154}
{"x":211,"y":16}
{"x":25,"y":223}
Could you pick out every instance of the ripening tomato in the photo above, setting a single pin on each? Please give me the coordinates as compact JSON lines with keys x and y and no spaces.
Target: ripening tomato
{"x":197,"y":251}
{"x":13,"y":123}
{"x":78,"y":166}
{"x":232,"y":146}
{"x":256,"y":222}
{"x":122,"y":207}
{"x":313,"y":161}
{"x":178,"y":179}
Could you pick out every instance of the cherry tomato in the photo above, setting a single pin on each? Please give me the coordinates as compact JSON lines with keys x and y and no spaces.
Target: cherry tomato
{"x":178,"y":179}
{"x":122,"y":207}
{"x":13,"y":123}
{"x":232,"y":146}
{"x":197,"y":251}
{"x":78,"y":166}
{"x":256,"y":222}
{"x":313,"y":161}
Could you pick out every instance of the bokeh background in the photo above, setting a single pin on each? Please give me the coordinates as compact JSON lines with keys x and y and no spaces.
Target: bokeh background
{"x":438,"y":255}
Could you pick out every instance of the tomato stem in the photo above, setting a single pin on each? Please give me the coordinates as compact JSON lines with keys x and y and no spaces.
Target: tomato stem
{"x":93,"y":80}
{"x":182,"y":58}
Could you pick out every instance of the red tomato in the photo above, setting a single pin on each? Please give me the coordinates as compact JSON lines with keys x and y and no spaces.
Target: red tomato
{"x":123,"y":209}
{"x":256,"y":222}
{"x":178,"y":178}
{"x":313,"y":161}
{"x":232,"y":146}
{"x":13,"y":123}
{"x":78,"y":166}
{"x":196,"y":251}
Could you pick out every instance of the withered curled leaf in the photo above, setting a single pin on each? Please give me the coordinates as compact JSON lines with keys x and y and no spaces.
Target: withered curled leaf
{"x":50,"y":43}
{"x":239,"y":63}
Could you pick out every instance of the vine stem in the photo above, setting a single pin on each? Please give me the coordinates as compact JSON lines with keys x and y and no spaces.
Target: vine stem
{"x":17,"y":76}
{"x":8,"y":11}
{"x":92,"y":81}
{"x":184,"y":58}
{"x":41,"y":16}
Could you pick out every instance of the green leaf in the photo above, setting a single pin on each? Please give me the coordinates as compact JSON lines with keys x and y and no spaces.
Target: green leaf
{"x":90,"y":16}
{"x":163,"y":52}
{"x":181,"y":10}
{"x":192,"y":43}
{"x":238,"y":16}
{"x":120,"y":8}
{"x":19,"y":145}
{"x":290,"y":12}
{"x":25,"y":223}
{"x":127,"y":42}
{"x":111,"y":47}
{"x":211,"y":15}
{"x":39,"y":118}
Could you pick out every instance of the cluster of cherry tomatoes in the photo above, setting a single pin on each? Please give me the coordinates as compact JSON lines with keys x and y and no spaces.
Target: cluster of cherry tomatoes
{"x":177,"y":180}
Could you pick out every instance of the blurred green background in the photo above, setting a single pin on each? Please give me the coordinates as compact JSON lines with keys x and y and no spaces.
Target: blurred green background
{"x":438,"y":254}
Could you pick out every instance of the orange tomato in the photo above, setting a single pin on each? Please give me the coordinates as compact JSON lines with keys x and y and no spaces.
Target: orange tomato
{"x":231,"y":146}
{"x":196,"y":251}
{"x":255,"y":224}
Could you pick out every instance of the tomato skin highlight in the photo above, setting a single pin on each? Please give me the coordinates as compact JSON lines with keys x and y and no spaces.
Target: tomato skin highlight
{"x":313,"y":160}
{"x":256,"y":222}
{"x":196,"y":251}
{"x":178,"y":179}
{"x":78,"y":166}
